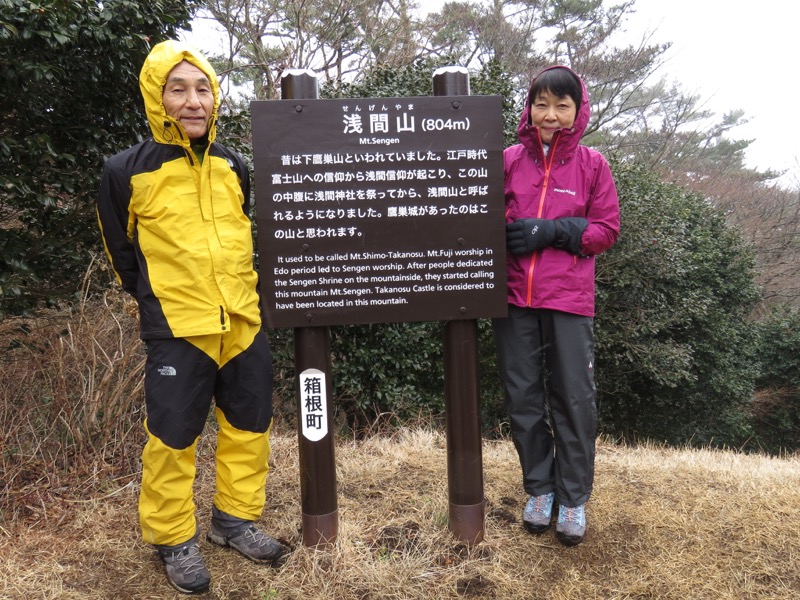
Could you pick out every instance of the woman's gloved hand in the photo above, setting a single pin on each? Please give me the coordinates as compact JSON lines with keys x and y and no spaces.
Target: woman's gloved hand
{"x":525,"y":236}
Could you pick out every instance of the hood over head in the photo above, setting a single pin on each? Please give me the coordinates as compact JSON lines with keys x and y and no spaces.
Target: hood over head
{"x":568,"y":138}
{"x":153,"y":77}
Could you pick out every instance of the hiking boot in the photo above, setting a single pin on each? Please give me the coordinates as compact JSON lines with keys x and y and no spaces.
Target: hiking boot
{"x":244,"y":537}
{"x":571,"y":524}
{"x":185,"y":569}
{"x":537,"y":513}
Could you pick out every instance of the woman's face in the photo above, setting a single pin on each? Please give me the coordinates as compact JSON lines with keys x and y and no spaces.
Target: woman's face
{"x":549,"y":113}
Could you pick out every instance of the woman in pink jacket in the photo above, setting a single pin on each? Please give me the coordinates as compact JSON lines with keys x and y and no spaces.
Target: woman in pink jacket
{"x":561,"y":211}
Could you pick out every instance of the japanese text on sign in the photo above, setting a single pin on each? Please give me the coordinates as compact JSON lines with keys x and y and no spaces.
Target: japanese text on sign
{"x":313,"y":405}
{"x":380,"y":211}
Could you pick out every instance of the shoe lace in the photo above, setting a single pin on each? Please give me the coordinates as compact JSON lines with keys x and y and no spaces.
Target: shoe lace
{"x":188,"y":560}
{"x":569,"y":514}
{"x":256,"y":537}
{"x":539,"y":504}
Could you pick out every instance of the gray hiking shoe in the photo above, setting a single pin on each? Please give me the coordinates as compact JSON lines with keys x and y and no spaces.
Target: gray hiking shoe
{"x":185,"y":569}
{"x":571,"y":524}
{"x":248,"y":540}
{"x":538,"y":512}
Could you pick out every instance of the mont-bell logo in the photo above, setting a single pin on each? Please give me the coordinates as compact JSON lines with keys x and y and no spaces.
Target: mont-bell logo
{"x":565,"y":191}
{"x":167,"y":371}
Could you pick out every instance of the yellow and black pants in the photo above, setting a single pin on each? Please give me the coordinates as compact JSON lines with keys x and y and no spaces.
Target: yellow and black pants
{"x":182,"y":376}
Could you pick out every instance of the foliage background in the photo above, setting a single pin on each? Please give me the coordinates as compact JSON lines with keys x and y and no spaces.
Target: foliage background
{"x":70,"y":98}
{"x":697,"y":327}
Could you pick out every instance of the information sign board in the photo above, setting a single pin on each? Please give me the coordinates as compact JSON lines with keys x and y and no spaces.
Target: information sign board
{"x":379,"y":210}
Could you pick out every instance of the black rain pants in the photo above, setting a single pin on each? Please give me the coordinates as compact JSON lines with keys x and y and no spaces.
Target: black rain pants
{"x":546,"y":364}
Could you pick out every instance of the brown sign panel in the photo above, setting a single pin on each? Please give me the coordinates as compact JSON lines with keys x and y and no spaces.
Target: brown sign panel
{"x":380,"y":210}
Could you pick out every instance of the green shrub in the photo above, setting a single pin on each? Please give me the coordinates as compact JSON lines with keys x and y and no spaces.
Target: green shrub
{"x":69,"y":72}
{"x":391,"y":370}
{"x":775,"y":410}
{"x":674,"y":342}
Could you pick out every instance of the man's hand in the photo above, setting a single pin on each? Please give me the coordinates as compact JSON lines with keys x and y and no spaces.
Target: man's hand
{"x":525,"y":236}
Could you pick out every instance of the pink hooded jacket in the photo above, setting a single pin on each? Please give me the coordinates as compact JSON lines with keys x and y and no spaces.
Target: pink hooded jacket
{"x":571,"y":181}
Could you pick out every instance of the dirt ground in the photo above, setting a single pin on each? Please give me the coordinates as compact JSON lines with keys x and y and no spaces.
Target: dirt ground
{"x":663,"y":524}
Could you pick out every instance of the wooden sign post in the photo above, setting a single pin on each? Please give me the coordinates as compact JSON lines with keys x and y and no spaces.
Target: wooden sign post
{"x":381,"y":210}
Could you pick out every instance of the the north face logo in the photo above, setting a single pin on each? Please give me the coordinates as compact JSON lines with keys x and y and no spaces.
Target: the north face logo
{"x":167,"y":371}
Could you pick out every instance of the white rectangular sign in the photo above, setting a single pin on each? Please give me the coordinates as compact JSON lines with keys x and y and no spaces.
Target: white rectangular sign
{"x":313,"y":405}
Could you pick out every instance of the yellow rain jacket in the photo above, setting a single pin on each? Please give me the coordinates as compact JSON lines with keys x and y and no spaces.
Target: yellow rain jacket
{"x":176,"y":228}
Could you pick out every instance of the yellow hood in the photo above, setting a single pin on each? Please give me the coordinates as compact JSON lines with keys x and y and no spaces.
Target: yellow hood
{"x":152,"y":79}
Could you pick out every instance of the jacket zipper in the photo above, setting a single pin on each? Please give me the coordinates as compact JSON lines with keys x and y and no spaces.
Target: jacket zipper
{"x":540,"y":211}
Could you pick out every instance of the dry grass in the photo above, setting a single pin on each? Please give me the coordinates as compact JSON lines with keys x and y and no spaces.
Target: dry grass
{"x":663,"y":524}
{"x":70,"y":402}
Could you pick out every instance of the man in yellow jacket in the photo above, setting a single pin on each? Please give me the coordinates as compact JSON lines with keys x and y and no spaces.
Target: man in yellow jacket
{"x":173,"y":212}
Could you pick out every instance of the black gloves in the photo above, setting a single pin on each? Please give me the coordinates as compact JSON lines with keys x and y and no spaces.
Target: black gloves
{"x":525,"y":236}
{"x":569,"y":231}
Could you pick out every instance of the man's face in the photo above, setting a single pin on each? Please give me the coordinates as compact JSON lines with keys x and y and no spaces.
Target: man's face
{"x":188,"y":98}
